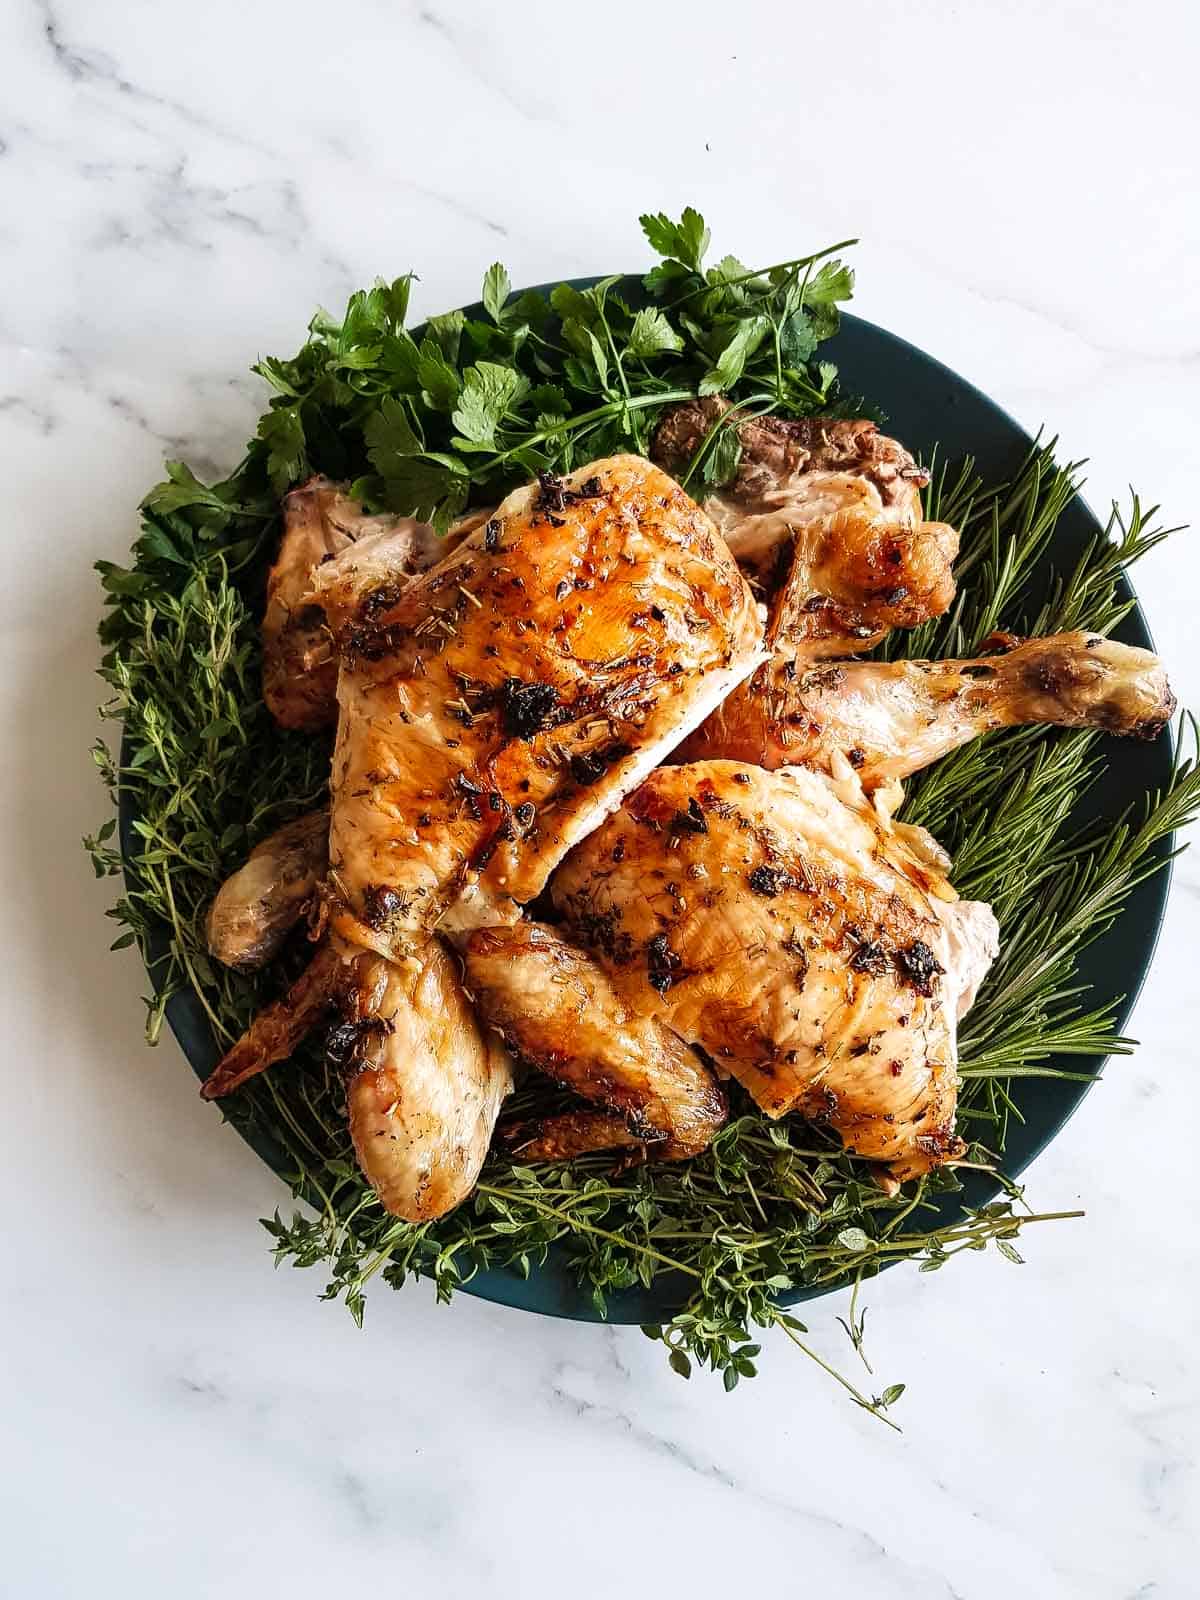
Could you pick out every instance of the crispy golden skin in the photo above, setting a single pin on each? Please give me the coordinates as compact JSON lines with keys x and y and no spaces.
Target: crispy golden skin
{"x":557,"y":1010}
{"x":424,"y":1081}
{"x":891,"y":718}
{"x":491,"y":710}
{"x":279,"y":1029}
{"x":787,"y":926}
{"x":825,"y":517}
{"x":496,"y":707}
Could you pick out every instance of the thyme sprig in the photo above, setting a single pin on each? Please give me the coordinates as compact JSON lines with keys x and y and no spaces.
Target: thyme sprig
{"x":459,"y":410}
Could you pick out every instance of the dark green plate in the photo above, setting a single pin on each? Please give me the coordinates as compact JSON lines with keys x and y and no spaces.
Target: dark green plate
{"x":927,"y":405}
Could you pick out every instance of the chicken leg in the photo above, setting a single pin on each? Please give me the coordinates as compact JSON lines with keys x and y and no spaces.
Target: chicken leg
{"x":892,"y":718}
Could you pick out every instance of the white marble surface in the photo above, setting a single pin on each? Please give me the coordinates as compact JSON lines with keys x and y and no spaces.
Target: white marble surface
{"x":180,"y":185}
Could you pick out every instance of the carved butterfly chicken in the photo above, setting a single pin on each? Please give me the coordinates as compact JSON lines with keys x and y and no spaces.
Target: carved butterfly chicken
{"x":505,"y":704}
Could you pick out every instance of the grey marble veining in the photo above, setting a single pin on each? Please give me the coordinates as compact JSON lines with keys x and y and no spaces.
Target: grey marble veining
{"x":180,"y":188}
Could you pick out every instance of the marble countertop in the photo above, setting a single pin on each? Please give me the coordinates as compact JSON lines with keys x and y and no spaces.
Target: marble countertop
{"x":180,"y":187}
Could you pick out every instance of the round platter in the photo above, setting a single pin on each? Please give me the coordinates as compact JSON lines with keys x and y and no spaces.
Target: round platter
{"x":927,"y":406}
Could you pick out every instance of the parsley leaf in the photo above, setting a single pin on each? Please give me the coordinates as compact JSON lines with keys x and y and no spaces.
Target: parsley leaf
{"x":439,"y":381}
{"x":496,"y":289}
{"x":282,"y":431}
{"x":416,"y":487}
{"x":390,"y":436}
{"x":721,"y":463}
{"x":684,"y":241}
{"x":824,"y":289}
{"x":830,"y":282}
{"x":183,"y":489}
{"x":447,"y":331}
{"x":573,"y":307}
{"x":797,"y":339}
{"x":731,"y":363}
{"x":651,"y":333}
{"x":488,"y":391}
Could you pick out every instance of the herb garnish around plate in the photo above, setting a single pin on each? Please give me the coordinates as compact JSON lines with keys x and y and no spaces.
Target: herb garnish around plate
{"x":459,"y":413}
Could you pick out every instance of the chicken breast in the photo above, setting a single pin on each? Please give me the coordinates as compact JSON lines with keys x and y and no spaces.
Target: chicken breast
{"x":891,"y":718}
{"x":557,"y":1010}
{"x":787,"y":926}
{"x":494,"y":709}
{"x":320,"y":519}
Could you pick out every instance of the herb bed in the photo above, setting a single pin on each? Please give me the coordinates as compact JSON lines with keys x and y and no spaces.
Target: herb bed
{"x":705,"y":1252}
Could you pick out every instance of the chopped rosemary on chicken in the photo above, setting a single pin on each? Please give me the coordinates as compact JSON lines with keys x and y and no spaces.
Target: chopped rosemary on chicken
{"x":436,"y":425}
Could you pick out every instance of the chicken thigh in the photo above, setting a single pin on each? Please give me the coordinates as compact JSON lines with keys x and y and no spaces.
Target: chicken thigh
{"x":812,"y":947}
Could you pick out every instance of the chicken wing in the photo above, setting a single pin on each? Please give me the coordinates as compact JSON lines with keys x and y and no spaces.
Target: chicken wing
{"x":891,"y":718}
{"x":825,"y":518}
{"x":557,"y":1010}
{"x":812,"y":947}
{"x":424,"y":1083}
{"x":257,"y":906}
{"x":319,"y":521}
{"x":496,"y":707}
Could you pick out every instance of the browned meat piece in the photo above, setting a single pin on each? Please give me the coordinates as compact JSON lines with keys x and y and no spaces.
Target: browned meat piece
{"x":811,"y":947}
{"x":496,"y":707}
{"x":258,"y":906}
{"x":891,"y":718}
{"x":279,"y":1029}
{"x":491,"y":710}
{"x":424,"y":1081}
{"x":573,"y":1133}
{"x":825,"y":517}
{"x":557,"y":1010}
{"x":854,"y":492}
{"x":423,"y":1084}
{"x":319,"y":521}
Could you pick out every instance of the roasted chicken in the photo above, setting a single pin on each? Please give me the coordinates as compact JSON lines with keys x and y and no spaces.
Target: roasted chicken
{"x":508,"y":707}
{"x":320,"y":519}
{"x":557,"y":1010}
{"x":495,"y":708}
{"x":891,"y":718}
{"x":825,"y":518}
{"x":812,"y":947}
{"x":491,"y":711}
{"x":424,"y":1082}
{"x":258,"y":906}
